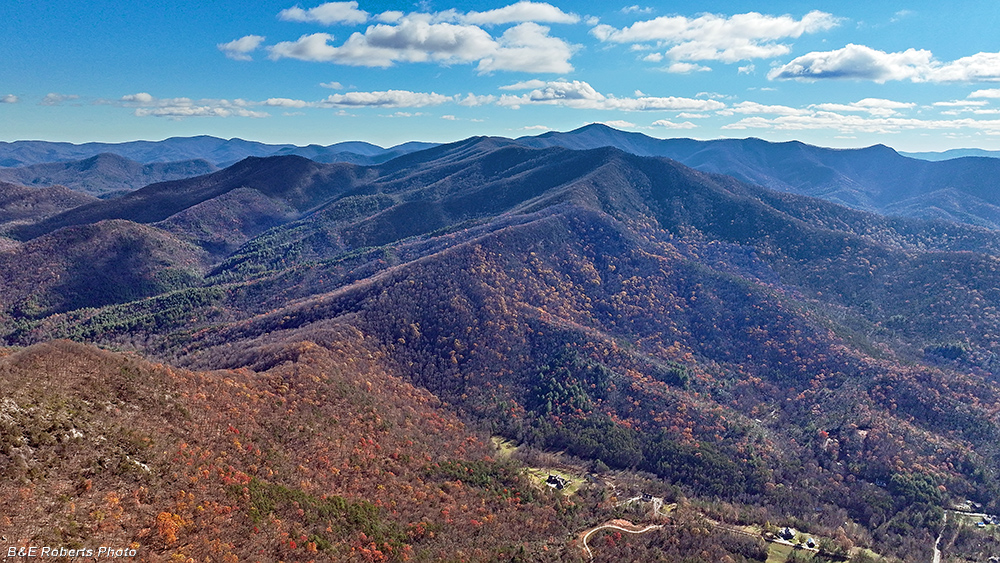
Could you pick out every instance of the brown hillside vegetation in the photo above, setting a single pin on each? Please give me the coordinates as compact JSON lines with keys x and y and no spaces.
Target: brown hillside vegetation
{"x":324,"y":456}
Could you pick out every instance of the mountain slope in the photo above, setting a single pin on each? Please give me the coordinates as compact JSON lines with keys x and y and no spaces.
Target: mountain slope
{"x":104,"y":173}
{"x":874,"y":179}
{"x":319,"y":452}
{"x":295,"y":181}
{"x":94,"y":265}
{"x":19,"y":203}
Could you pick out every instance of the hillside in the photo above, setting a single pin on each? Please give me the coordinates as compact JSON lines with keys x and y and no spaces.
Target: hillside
{"x":104,"y":174}
{"x":19,"y":203}
{"x":94,"y":265}
{"x":774,"y":357}
{"x":875,"y":178}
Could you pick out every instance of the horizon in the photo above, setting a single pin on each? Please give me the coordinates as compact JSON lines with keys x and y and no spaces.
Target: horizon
{"x":839,"y":75}
{"x":388,"y":147}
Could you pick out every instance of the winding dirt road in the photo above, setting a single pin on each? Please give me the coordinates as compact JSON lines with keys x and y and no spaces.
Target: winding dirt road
{"x":620,"y":525}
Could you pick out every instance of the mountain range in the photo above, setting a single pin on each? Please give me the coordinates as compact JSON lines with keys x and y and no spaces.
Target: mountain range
{"x":961,"y":189}
{"x":218,"y":152}
{"x":327,"y":350}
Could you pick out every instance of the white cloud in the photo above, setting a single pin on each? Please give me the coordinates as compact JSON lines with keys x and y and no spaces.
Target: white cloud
{"x":981,"y":67}
{"x":714,"y":37}
{"x":449,"y":118}
{"x":528,"y":47}
{"x":635,"y":9}
{"x":525,"y":85}
{"x":536,"y":128}
{"x":755,"y":108}
{"x":239,"y":49}
{"x":9,"y":99}
{"x":326,"y":14}
{"x":860,"y":62}
{"x":689,"y":115}
{"x":961,"y":103}
{"x":417,"y":38}
{"x":581,"y":95}
{"x":386,"y":99}
{"x":851,"y":124}
{"x":671,"y":125}
{"x":286,"y":103}
{"x":472,"y":100}
{"x":391,"y":16}
{"x":874,"y":106}
{"x":653,"y":57}
{"x":520,"y":12}
{"x":989,"y":93}
{"x":176,"y":108}
{"x":619,"y":124}
{"x":900,"y":15}
{"x":406,"y":114}
{"x":748,"y":69}
{"x":332,"y":85}
{"x":140,"y":98}
{"x":685,"y":68}
{"x":54,"y":99}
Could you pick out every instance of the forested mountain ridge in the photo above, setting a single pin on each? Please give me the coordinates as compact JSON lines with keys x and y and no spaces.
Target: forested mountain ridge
{"x":104,"y":174}
{"x":803,"y":361}
{"x":875,"y":178}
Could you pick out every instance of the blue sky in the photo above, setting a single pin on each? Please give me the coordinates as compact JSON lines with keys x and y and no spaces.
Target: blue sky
{"x":913,"y":75}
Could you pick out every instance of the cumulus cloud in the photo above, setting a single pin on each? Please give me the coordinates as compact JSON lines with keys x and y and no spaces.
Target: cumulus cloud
{"x":762,"y":109}
{"x":960,"y":103}
{"x":326,"y":14}
{"x":9,"y":99}
{"x":386,"y":99}
{"x":391,"y":16}
{"x":525,"y":85}
{"x":981,"y":67}
{"x":54,"y":99}
{"x":520,"y":12}
{"x":332,"y":85}
{"x":860,"y":62}
{"x":988,"y":93}
{"x":378,"y":99}
{"x":417,"y":38}
{"x":528,"y":47}
{"x":686,"y":68}
{"x":719,"y":38}
{"x":636,"y":9}
{"x":671,"y":125}
{"x":472,"y":100}
{"x":850,"y":124}
{"x":619,"y":124}
{"x":146,"y":105}
{"x":286,"y":103}
{"x":240,"y":49}
{"x":581,"y":95}
{"x":874,"y":106}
